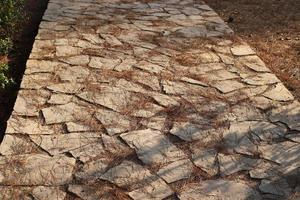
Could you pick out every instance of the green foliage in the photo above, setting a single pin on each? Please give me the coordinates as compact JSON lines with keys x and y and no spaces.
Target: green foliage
{"x":10,"y":13}
{"x":5,"y":81}
{"x":5,"y":45}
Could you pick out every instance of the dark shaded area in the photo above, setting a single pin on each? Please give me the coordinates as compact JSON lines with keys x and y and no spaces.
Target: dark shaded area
{"x":23,"y":42}
{"x":272,"y":27}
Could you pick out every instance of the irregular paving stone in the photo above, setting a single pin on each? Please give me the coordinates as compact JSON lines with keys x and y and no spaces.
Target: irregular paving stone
{"x":192,"y":32}
{"x":42,"y":66}
{"x":103,"y":63}
{"x":230,"y":164}
{"x":294,"y":137}
{"x":110,"y":97}
{"x":57,"y":144}
{"x":156,"y":123}
{"x":220,"y":75}
{"x":68,"y":88}
{"x":14,"y":145}
{"x":279,"y":93}
{"x":192,"y":132}
{"x":74,"y":74}
{"x":63,"y":113}
{"x":76,"y":60}
{"x":60,"y":99}
{"x":165,"y":100}
{"x":285,"y":153}
{"x":261,"y":79}
{"x":242,"y":50}
{"x":28,"y":126}
{"x":218,"y":190}
{"x":206,"y":159}
{"x":114,"y":122}
{"x":46,"y":193}
{"x":176,"y":171}
{"x":264,"y":170}
{"x":254,"y":63}
{"x":147,"y":110}
{"x":144,"y":184}
{"x":152,"y":146}
{"x":149,"y":67}
{"x":36,"y":81}
{"x":129,"y":86}
{"x":193,"y":81}
{"x":10,"y":192}
{"x":85,"y":192}
{"x":128,"y":174}
{"x":77,"y":127}
{"x":36,"y":169}
{"x":275,"y":187}
{"x":30,"y":106}
{"x":228,"y":85}
{"x":67,"y":51}
{"x":93,"y":170}
{"x":289,"y":115}
{"x":179,"y":88}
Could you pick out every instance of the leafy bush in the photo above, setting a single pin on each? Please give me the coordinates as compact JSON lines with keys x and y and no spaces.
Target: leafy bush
{"x":10,"y":13}
{"x":5,"y":81}
{"x":5,"y":45}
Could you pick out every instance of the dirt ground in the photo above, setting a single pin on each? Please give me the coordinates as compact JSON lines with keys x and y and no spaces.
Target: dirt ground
{"x":272,"y":28}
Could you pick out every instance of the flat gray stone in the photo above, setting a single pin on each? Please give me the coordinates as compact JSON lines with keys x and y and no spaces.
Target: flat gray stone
{"x":286,"y":154}
{"x":46,"y":193}
{"x":206,"y":159}
{"x":76,"y":60}
{"x":114,"y":122}
{"x":110,"y":97}
{"x":152,"y":146}
{"x":63,"y":113}
{"x":279,"y":93}
{"x":103,"y":63}
{"x":60,"y":99}
{"x":261,"y":79}
{"x":228,"y":85}
{"x":192,"y":132}
{"x":91,"y":171}
{"x":36,"y":169}
{"x":74,"y":74}
{"x":275,"y":187}
{"x":242,"y":50}
{"x":57,"y":144}
{"x":15,"y":145}
{"x":289,"y":115}
{"x":175,"y":171}
{"x":254,"y":63}
{"x":230,"y":164}
{"x":28,"y":126}
{"x":85,"y":192}
{"x":218,"y":190}
{"x":192,"y":32}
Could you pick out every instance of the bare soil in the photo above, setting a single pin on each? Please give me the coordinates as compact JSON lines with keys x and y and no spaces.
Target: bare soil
{"x":272,"y":28}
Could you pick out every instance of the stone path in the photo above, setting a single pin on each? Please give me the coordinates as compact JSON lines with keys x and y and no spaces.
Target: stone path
{"x":136,"y":99}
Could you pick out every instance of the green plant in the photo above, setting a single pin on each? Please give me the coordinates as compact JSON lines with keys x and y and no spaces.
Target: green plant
{"x":5,"y":45}
{"x":5,"y":81}
{"x":10,"y":13}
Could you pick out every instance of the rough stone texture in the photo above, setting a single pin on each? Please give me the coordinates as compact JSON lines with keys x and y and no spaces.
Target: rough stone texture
{"x":218,"y":190}
{"x":152,"y":146}
{"x":118,"y":101}
{"x":45,"y":193}
{"x":175,"y":171}
{"x":36,"y":169}
{"x":206,"y":159}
